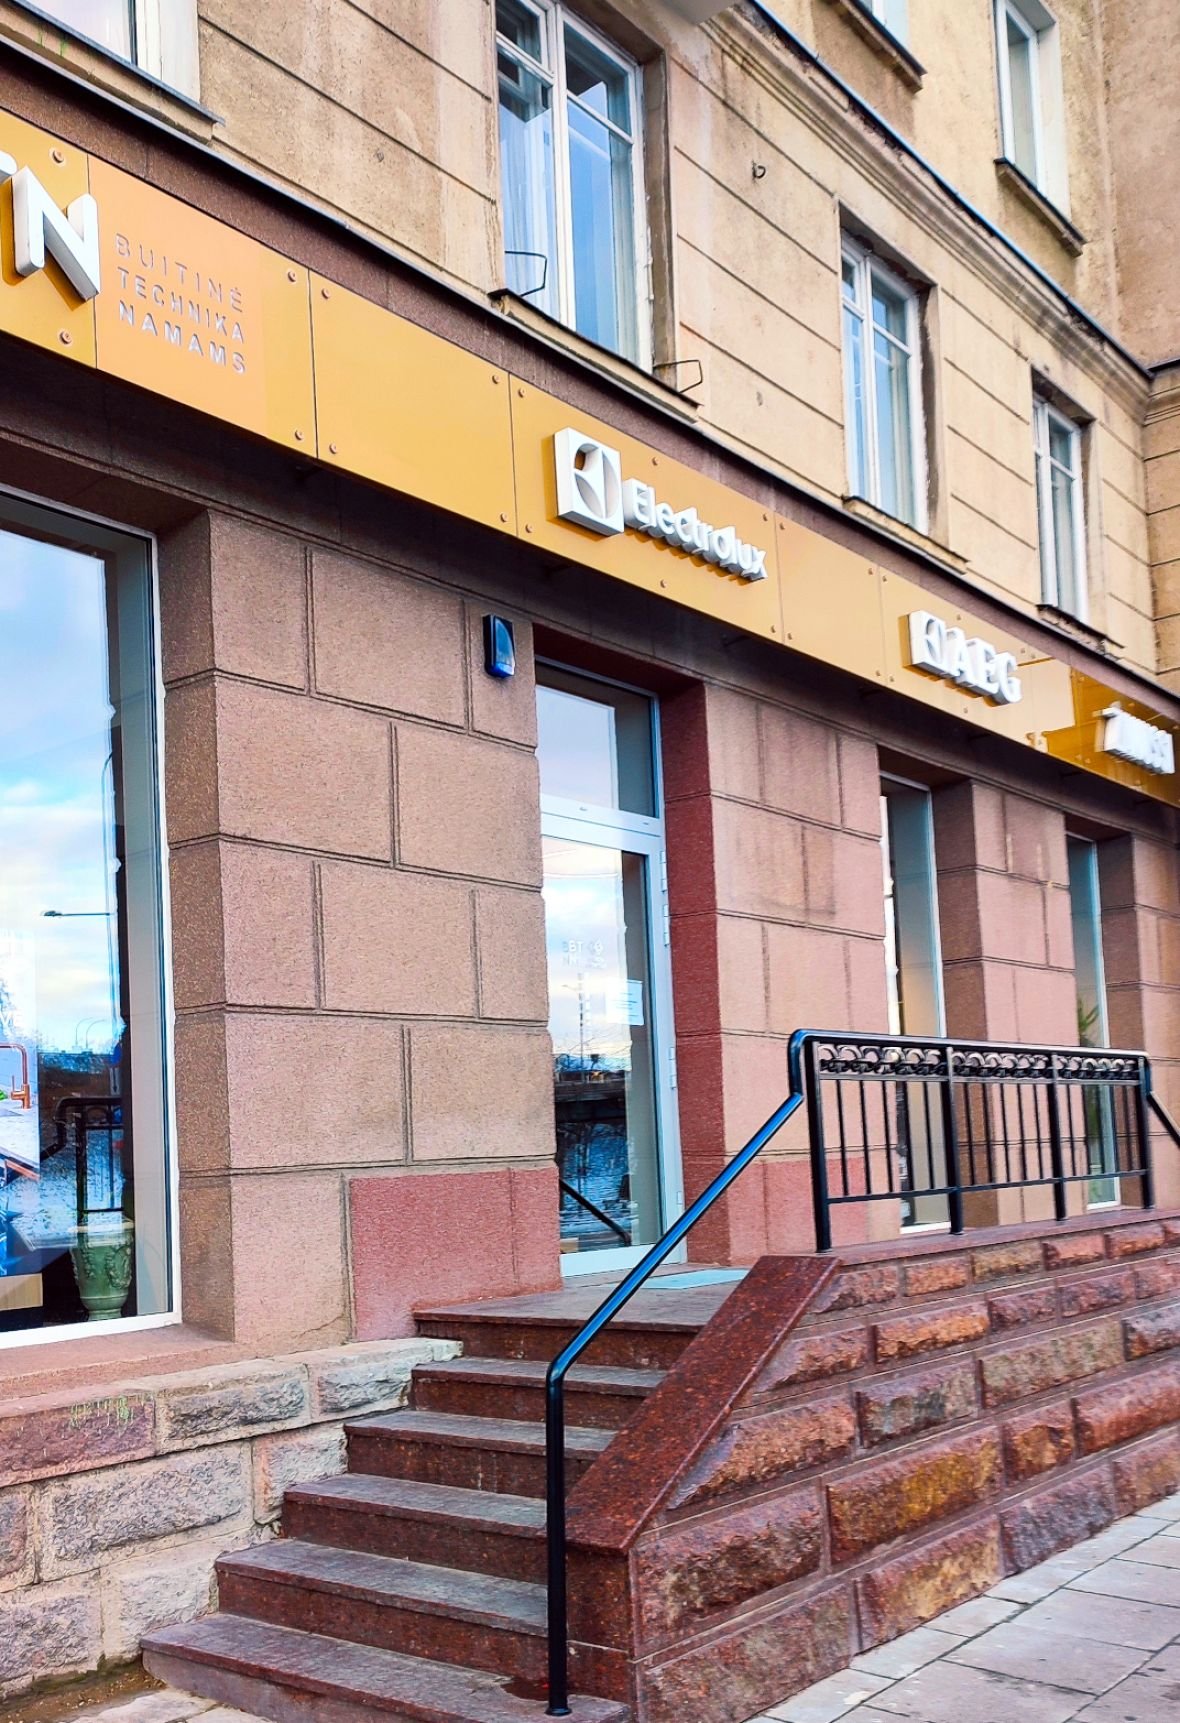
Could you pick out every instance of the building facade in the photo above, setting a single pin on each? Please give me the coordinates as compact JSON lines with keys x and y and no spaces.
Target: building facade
{"x":546,"y":547}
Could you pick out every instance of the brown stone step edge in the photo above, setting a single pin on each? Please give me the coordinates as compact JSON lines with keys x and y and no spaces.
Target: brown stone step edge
{"x":293,"y":1677}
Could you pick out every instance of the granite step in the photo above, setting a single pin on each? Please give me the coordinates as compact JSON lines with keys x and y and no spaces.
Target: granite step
{"x":482,"y":1620}
{"x":622,"y":1344}
{"x":293,"y":1677}
{"x":501,"y":1454}
{"x":484,"y":1531}
{"x":597,"y":1396}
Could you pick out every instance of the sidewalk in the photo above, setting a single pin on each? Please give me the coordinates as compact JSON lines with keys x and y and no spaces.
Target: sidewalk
{"x":1093,"y":1634}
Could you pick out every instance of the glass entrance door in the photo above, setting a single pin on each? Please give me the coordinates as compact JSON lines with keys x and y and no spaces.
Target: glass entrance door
{"x":609,"y":977}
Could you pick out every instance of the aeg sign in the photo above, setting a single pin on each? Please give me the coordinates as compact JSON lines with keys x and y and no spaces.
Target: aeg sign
{"x":592,"y":492}
{"x":970,"y":663}
{"x":39,"y":226}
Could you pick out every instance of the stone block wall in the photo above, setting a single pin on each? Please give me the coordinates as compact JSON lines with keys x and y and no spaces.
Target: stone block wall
{"x":358,"y":937}
{"x":937,"y":1416}
{"x":115,"y":1504}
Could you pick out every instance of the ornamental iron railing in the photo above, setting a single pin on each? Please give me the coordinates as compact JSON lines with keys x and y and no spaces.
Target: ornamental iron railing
{"x":936,"y":1127}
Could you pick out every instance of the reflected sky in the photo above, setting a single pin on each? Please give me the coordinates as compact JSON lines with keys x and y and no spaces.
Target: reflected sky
{"x":56,"y":812}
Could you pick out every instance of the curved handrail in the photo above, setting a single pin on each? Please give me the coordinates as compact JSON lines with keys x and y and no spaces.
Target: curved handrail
{"x":611,"y":1305}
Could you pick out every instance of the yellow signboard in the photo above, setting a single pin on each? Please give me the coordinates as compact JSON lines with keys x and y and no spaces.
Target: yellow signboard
{"x":195,"y":311}
{"x":668,"y":563}
{"x":409,"y":410}
{"x":42,"y":307}
{"x":112,"y":273}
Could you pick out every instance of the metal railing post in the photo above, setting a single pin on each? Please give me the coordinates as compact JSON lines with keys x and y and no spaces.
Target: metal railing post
{"x":1143,"y":1102}
{"x":1056,"y":1159}
{"x":954,"y":1196}
{"x":819,"y":1155}
{"x":558,"y":1607}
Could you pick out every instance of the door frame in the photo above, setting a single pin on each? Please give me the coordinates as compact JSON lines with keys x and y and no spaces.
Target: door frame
{"x":639,"y":834}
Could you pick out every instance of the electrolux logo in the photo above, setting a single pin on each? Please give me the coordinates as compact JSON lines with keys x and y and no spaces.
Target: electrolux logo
{"x":40,"y":227}
{"x":591,"y":492}
{"x":945,"y":651}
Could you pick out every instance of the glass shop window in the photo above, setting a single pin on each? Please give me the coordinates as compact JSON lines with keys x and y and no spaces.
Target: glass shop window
{"x":85,"y":1203}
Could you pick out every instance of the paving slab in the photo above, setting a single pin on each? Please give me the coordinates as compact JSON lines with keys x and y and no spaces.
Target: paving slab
{"x":1114,"y":1620}
{"x":951,"y":1693}
{"x":1131,"y":1579}
{"x":1054,"y":1659}
{"x":1140,"y":1699}
{"x":829,"y":1700}
{"x":1159,"y":1551}
{"x":899,"y":1657}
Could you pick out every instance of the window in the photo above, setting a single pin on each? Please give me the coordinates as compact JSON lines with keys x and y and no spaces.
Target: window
{"x":1031,"y":112}
{"x":159,"y":36}
{"x":85,"y":1197}
{"x":886,"y":459}
{"x":913,"y":969}
{"x":891,"y":13}
{"x":1060,"y":509}
{"x":1097,"y":1107}
{"x":572,"y":174}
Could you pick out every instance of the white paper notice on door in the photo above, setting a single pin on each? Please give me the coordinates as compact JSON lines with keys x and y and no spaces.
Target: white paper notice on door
{"x":20,"y":1132}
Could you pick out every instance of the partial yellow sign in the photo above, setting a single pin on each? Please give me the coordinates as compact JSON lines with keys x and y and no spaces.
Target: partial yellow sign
{"x":42,"y":307}
{"x":642,"y":517}
{"x":196,"y":311}
{"x":409,"y":410}
{"x":1083,"y":739}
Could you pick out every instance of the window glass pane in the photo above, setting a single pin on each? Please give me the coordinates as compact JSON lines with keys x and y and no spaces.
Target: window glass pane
{"x":1064,"y":541}
{"x":1062,"y":443}
{"x":527,"y":184}
{"x":594,"y":743}
{"x":1096,"y":1106}
{"x":914,"y":983}
{"x":857,"y":407}
{"x":894,"y":430}
{"x":1021,"y":74}
{"x":848,"y":271}
{"x":889,"y":309}
{"x":522,"y":27}
{"x":597,"y":916}
{"x":105,"y":21}
{"x":83,"y":1181}
{"x":602,"y":212}
{"x":597,"y":81}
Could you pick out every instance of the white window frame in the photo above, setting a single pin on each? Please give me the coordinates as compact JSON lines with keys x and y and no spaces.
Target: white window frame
{"x":164,"y":40}
{"x":892,"y":15}
{"x":554,"y":16}
{"x":866,"y":266}
{"x":1039,"y":27}
{"x":1046,"y":417}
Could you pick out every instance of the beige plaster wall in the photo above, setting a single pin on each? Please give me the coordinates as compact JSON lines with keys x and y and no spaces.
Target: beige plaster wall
{"x":385,"y":111}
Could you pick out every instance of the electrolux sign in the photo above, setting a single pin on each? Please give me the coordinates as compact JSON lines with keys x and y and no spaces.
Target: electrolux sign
{"x":591,"y":492}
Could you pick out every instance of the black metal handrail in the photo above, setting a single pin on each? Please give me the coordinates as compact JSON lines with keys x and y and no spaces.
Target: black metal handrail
{"x":907,"y":1060}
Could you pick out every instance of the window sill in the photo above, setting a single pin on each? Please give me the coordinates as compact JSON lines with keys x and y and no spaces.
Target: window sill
{"x":882,"y":41}
{"x":1068,"y":623}
{"x":62,"y":49}
{"x":1034,"y":198}
{"x":599,"y":359}
{"x":903,"y":533}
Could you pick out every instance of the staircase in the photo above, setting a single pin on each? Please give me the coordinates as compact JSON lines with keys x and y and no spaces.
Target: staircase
{"x":413,"y":1587}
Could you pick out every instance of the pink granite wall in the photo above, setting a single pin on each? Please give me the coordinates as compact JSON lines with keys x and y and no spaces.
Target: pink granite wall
{"x":358,"y":940}
{"x":775,"y":884}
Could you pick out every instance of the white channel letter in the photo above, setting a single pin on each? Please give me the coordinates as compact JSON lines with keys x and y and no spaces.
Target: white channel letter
{"x":927,"y":642}
{"x":589,"y":482}
{"x":39,"y":226}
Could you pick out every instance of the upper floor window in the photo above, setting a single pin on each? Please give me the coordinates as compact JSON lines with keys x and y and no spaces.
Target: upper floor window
{"x":1060,"y":509}
{"x":1028,"y":57}
{"x":891,"y":13}
{"x":883,"y":399}
{"x":158,"y":36}
{"x":572,"y":173}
